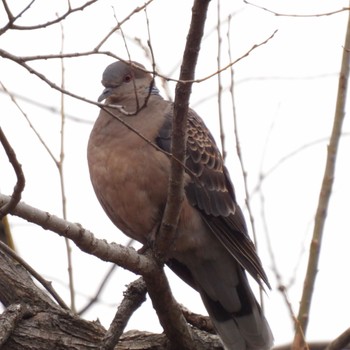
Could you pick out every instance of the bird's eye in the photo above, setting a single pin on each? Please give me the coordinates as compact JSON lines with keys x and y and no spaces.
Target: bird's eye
{"x":127,"y":78}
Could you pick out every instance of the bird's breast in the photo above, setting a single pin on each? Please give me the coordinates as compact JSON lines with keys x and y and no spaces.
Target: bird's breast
{"x":130,"y":178}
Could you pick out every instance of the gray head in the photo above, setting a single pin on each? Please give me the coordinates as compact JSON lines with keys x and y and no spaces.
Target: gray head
{"x":124,"y":80}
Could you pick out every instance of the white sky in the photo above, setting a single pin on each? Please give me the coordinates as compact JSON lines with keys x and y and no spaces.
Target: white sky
{"x":285,"y":99}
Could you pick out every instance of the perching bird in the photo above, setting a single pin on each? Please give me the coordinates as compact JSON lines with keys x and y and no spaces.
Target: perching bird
{"x":212,"y":248}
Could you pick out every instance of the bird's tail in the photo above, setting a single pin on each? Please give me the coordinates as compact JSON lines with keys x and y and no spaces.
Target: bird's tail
{"x":244,"y":329}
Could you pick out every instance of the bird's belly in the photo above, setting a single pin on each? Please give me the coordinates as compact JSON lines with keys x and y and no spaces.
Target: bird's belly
{"x":132,"y":191}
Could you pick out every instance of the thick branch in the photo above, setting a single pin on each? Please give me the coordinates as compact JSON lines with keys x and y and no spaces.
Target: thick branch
{"x":178,"y":147}
{"x":84,"y":239}
{"x":169,"y":314}
{"x":180,"y":335}
{"x":34,"y":321}
{"x":168,"y":311}
{"x":134,"y":296}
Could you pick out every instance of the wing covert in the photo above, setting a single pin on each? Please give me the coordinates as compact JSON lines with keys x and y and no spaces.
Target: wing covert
{"x":211,"y":191}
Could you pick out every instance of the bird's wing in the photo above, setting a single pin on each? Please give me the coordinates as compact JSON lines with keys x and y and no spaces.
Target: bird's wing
{"x":211,"y":192}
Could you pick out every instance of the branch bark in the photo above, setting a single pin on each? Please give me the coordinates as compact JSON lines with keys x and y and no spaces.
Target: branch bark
{"x":178,"y":145}
{"x":181,"y":335}
{"x":125,"y":257}
{"x":32,"y":320}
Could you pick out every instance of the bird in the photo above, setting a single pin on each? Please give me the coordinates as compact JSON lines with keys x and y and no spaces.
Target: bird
{"x":128,"y":159}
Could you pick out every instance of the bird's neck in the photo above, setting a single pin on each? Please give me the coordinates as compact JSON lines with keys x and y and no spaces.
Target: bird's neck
{"x":131,"y":105}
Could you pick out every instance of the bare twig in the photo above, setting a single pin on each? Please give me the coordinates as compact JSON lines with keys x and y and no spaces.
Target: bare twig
{"x":220,"y":89}
{"x":102,"y":285}
{"x":233,"y":62}
{"x":47,"y":24}
{"x":60,"y":164}
{"x":95,"y":298}
{"x":280,"y":285}
{"x":41,"y":140}
{"x":21,"y":60}
{"x":44,"y":106}
{"x":46,"y":284}
{"x":297,"y":15}
{"x":118,"y":26}
{"x":264,"y":175}
{"x":18,"y":188}
{"x":325,"y":192}
{"x":11,"y":17}
{"x":238,"y":145}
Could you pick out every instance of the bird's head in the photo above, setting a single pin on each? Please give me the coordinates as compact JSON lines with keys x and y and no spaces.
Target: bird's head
{"x":125,"y":81}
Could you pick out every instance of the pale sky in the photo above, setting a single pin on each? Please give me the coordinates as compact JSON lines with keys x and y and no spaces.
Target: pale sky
{"x":285,"y":99}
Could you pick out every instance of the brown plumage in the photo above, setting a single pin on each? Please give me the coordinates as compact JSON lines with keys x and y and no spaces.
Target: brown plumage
{"x":130,"y":177}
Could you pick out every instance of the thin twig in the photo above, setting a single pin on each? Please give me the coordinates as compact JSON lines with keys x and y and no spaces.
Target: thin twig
{"x":233,"y":62}
{"x":118,"y":26}
{"x":19,"y":186}
{"x":21,"y":60}
{"x":60,"y":164}
{"x":49,"y":23}
{"x":11,"y":17}
{"x":109,"y":273}
{"x":297,"y":15}
{"x":220,"y":89}
{"x":240,"y":155}
{"x":264,"y":175}
{"x":280,"y":285}
{"x":95,"y":298}
{"x":238,"y":145}
{"x":44,"y":106}
{"x":46,"y":284}
{"x":41,"y":140}
{"x":325,"y":191}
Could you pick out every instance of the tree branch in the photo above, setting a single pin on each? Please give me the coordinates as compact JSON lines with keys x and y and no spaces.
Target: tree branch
{"x":33,"y":321}
{"x":341,"y":342}
{"x":18,"y":189}
{"x":134,"y":296}
{"x":127,"y":258}
{"x":11,"y":24}
{"x":178,"y":145}
{"x":325,"y":193}
{"x":47,"y":285}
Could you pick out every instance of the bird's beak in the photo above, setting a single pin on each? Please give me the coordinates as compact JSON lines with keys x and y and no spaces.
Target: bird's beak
{"x":106,"y":93}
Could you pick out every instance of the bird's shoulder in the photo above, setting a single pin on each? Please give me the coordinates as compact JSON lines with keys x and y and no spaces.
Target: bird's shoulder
{"x":210,"y":188}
